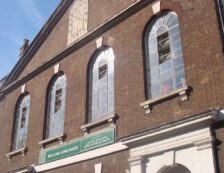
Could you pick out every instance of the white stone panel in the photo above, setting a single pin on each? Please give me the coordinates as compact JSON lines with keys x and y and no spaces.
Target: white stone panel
{"x":78,"y":20}
{"x":188,"y":158}
{"x":156,"y":7}
{"x":98,"y":168}
{"x":23,"y":88}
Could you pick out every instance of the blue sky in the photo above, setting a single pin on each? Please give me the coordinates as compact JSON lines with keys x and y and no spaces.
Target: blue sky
{"x":20,"y":19}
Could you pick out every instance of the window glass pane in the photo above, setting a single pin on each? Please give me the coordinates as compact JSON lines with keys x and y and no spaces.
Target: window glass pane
{"x":177,"y":53}
{"x":22,"y":138}
{"x":166,"y":18}
{"x":175,"y":44}
{"x":152,"y":34}
{"x":154,"y":60}
{"x":165,"y":68}
{"x":152,"y":46}
{"x":170,"y":19}
{"x":173,"y":31}
{"x":179,"y":67}
{"x":180,"y":80}
{"x":103,"y":108}
{"x":174,"y":22}
{"x":110,"y":81}
{"x":167,"y":85}
{"x":175,"y":36}
{"x":154,"y":74}
{"x":178,"y":60}
{"x":161,"y":30}
{"x":167,"y":74}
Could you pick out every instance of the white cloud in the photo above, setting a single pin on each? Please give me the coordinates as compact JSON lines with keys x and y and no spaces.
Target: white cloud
{"x":32,"y":12}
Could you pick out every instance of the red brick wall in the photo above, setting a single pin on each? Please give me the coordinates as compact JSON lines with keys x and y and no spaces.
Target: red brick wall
{"x":101,"y":10}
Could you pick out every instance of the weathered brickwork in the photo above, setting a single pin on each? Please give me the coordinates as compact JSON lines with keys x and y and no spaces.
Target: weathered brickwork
{"x":59,"y":34}
{"x":204,"y":66}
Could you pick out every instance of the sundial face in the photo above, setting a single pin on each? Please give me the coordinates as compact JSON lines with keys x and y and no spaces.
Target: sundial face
{"x":78,"y":20}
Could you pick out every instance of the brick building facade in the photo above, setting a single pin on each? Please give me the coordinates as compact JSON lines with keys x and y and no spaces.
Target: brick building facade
{"x":87,"y":96}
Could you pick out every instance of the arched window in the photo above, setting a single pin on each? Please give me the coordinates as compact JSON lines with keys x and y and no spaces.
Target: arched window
{"x":164,"y":56}
{"x":21,"y":122}
{"x":56,"y":106}
{"x":101,"y":85}
{"x":174,"y":169}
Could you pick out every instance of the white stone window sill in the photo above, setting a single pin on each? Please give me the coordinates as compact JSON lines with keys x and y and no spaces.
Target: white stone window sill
{"x":183,"y":93}
{"x":110,"y":119}
{"x":21,"y":151}
{"x":59,"y":138}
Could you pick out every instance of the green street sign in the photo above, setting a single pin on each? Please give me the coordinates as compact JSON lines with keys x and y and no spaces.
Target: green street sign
{"x":75,"y":147}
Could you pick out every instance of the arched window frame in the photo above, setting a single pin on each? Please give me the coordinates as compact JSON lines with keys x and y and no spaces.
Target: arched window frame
{"x":159,"y":86}
{"x":20,"y":125}
{"x":101,"y":71}
{"x":55,"y":109}
{"x":220,"y":8}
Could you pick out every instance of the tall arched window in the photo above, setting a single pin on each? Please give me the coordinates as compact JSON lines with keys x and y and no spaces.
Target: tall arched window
{"x":101,"y":85}
{"x":56,"y":106}
{"x":164,"y":56}
{"x":21,"y":122}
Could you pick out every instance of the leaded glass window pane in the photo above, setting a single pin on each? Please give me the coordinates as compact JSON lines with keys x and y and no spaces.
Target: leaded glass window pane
{"x":165,"y":66}
{"x":56,"y":107}
{"x":101,"y":86}
{"x":21,"y":122}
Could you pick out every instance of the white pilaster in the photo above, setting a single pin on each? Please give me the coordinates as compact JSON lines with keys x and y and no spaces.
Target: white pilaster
{"x":136,"y":164}
{"x":206,"y":155}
